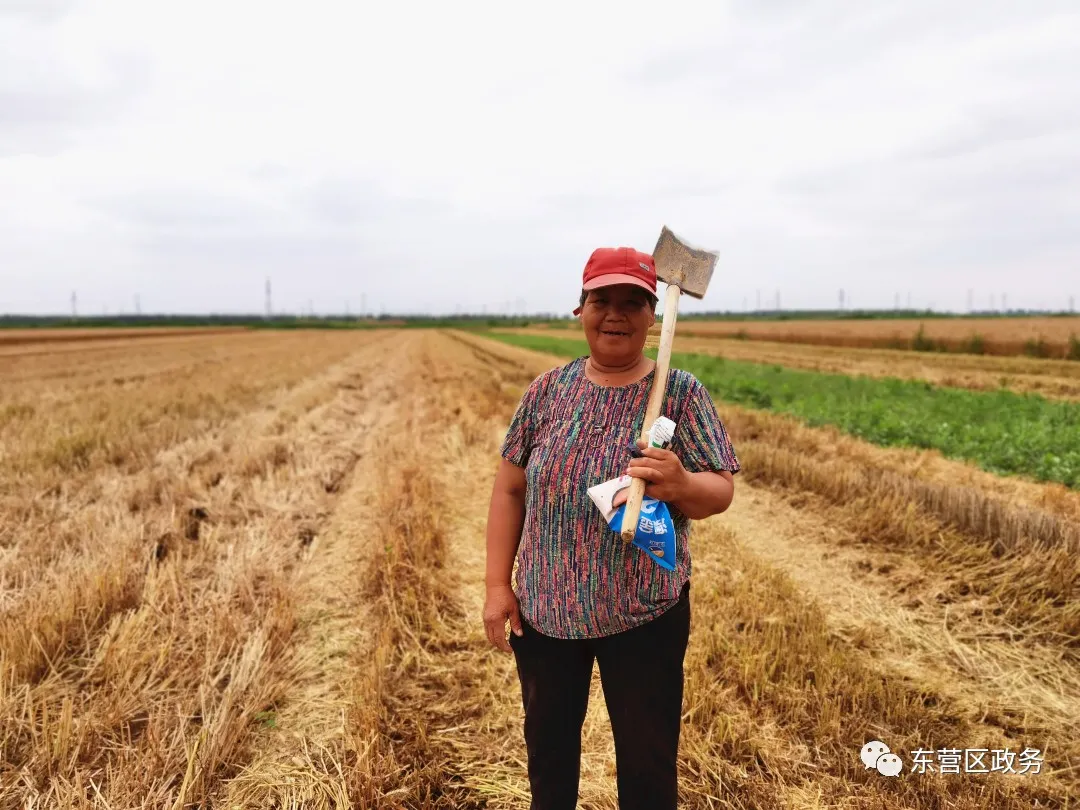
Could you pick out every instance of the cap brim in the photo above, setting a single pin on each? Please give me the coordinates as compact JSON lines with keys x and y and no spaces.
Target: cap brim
{"x":614,"y":278}
{"x":617,"y":278}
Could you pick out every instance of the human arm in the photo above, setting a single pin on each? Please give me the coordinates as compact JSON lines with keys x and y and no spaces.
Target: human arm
{"x":696,"y":494}
{"x":506,"y":517}
{"x":708,"y":493}
{"x":695,"y":474}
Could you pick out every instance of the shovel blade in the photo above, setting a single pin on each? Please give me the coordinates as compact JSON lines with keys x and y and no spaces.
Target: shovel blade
{"x":679,"y":263}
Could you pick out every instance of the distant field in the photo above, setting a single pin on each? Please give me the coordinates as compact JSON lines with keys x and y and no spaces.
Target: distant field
{"x":1001,"y":431}
{"x":1056,"y":379}
{"x":17,"y":337}
{"x":1043,"y":337}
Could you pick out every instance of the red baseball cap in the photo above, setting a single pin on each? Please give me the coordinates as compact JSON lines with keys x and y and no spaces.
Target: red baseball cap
{"x":622,"y":265}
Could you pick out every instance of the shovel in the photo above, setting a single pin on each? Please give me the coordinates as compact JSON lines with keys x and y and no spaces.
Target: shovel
{"x":685,"y":270}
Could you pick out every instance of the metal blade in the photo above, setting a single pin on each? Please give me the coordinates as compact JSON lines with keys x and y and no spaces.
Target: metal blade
{"x":679,"y":263}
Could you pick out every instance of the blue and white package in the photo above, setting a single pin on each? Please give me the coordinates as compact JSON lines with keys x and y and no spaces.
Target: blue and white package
{"x":655,"y":533}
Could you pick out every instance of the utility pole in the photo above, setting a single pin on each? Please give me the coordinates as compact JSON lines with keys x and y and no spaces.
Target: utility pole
{"x":269,"y":301}
{"x":971,"y":300}
{"x":363,"y":304}
{"x":777,"y":299}
{"x":74,"y":304}
{"x":896,"y":303}
{"x":841,"y":300}
{"x":759,"y":300}
{"x":1004,"y":302}
{"x":992,"y":308}
{"x":909,"y":299}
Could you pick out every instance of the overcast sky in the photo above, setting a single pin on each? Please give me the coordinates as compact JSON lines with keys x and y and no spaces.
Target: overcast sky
{"x":430,"y":156}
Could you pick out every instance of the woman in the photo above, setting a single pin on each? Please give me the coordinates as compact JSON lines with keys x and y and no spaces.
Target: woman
{"x":581,"y":592}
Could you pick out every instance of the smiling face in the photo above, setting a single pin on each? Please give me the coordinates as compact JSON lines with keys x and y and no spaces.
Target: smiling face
{"x":616,"y":321}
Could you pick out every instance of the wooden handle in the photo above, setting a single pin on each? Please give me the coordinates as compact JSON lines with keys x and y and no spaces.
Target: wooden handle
{"x":652,"y":410}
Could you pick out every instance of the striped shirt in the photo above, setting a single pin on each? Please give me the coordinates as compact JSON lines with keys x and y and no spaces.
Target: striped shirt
{"x":575,"y":576}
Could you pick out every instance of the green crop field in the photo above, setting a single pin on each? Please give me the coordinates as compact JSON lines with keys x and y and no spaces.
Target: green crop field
{"x":1001,"y":431}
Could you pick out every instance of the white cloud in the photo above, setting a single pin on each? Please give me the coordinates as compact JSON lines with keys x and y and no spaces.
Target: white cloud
{"x":429,"y":155}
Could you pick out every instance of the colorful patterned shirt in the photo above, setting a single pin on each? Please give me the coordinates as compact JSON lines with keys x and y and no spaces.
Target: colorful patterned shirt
{"x":577,"y":578}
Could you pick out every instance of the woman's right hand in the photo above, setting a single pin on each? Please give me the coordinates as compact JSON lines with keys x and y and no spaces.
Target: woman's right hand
{"x":501,"y":605}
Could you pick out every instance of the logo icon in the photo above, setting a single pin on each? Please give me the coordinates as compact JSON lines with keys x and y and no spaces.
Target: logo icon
{"x":643,"y":266}
{"x":889,"y":765}
{"x":876,"y":754}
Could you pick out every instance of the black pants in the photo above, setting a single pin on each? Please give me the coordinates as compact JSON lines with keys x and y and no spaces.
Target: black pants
{"x":641,"y":671}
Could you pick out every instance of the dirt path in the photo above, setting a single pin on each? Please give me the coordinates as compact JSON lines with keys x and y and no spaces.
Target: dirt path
{"x":302,"y":753}
{"x":1023,"y":690}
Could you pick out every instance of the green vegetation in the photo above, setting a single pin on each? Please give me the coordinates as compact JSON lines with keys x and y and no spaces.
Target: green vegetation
{"x":976,"y":344}
{"x":921,"y":343}
{"x":1001,"y":431}
{"x":1036,"y":348}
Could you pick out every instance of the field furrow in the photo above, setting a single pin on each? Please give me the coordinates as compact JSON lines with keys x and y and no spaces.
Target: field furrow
{"x":780,"y":702}
{"x":302,"y":751}
{"x":146,"y":651}
{"x":982,"y":663}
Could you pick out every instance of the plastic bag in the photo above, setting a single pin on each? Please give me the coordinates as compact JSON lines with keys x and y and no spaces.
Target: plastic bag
{"x":655,"y":533}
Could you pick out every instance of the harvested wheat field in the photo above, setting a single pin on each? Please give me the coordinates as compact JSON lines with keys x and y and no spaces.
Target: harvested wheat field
{"x":23,"y":337}
{"x":1053,"y":337}
{"x":246,"y":570}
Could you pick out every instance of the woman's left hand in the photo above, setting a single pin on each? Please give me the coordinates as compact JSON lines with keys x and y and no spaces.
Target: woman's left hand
{"x":665,"y":477}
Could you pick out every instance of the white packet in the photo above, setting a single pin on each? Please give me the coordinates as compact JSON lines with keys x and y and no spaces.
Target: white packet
{"x":603,"y":494}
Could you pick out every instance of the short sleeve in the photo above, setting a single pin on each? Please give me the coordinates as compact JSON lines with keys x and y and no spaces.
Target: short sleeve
{"x":518,"y":443}
{"x":701,"y":441}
